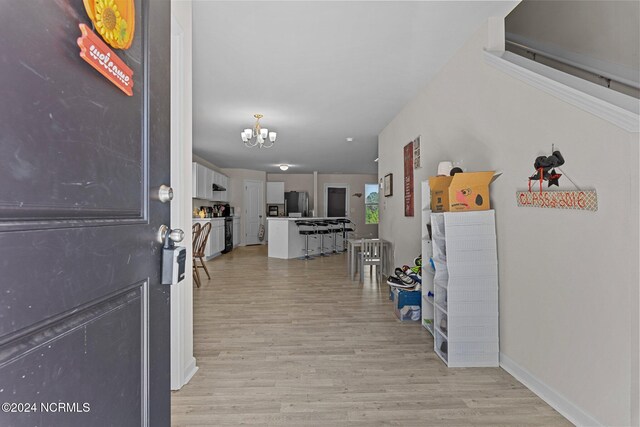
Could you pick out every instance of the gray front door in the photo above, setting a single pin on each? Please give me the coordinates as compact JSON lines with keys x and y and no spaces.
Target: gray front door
{"x":84,"y":322}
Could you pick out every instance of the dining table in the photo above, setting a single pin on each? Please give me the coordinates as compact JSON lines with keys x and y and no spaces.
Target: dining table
{"x":353,"y":246}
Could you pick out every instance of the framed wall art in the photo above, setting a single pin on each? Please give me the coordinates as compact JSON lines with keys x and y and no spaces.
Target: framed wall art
{"x":388,"y":185}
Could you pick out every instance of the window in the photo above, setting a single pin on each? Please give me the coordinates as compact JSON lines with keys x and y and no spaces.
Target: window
{"x":371,"y":203}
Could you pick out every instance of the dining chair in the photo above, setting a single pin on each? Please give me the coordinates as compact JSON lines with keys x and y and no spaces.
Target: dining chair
{"x":195,"y":232}
{"x":200,"y":242}
{"x":371,"y":254}
{"x":348,"y":231}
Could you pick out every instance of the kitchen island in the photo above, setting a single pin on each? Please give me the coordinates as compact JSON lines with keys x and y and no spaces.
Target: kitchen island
{"x":286,"y":243}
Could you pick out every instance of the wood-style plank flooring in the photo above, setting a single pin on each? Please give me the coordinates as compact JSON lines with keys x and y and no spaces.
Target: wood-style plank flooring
{"x":295,"y":343}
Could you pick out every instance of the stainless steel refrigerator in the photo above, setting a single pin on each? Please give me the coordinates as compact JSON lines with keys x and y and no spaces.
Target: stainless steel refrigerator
{"x":296,"y":202}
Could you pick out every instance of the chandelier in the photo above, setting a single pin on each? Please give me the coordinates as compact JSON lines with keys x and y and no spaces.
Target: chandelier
{"x":258,"y":136}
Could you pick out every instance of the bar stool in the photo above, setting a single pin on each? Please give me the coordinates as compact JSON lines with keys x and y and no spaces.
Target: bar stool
{"x":346,"y":229}
{"x":308,"y":230}
{"x":334,"y":229}
{"x":322,"y":232}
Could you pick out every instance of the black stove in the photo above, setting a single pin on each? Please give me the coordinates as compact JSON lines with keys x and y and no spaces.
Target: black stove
{"x":228,"y":234}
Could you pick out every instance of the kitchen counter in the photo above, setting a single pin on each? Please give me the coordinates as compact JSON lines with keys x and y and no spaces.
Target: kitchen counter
{"x":284,"y":240}
{"x":304,"y":218}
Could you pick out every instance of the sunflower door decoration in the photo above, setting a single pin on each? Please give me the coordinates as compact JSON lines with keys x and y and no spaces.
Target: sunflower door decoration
{"x":114,"y":20}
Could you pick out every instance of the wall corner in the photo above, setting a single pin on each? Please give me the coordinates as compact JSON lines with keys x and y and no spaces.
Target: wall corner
{"x":495,"y":34}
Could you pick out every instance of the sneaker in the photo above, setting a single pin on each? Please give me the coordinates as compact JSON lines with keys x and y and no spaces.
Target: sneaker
{"x":415,"y":278}
{"x":402,"y":276}
{"x":397,"y":283}
{"x":443,"y":325}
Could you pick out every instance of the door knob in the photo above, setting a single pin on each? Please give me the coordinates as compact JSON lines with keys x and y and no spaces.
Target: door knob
{"x":165,"y":193}
{"x":176,"y":235}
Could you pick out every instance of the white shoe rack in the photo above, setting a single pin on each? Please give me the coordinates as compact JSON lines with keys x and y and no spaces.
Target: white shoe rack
{"x":465,"y":285}
{"x":427,"y":252}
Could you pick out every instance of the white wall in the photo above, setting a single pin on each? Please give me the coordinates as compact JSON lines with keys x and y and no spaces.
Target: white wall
{"x":568,"y":279}
{"x":183,"y":364}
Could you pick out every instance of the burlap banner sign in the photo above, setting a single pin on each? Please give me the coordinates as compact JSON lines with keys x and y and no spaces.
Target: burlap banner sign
{"x":586,"y":200}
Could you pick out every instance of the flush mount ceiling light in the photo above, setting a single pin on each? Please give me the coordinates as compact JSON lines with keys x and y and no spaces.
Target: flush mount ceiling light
{"x":284,"y":167}
{"x":258,"y":136}
{"x":349,"y":139}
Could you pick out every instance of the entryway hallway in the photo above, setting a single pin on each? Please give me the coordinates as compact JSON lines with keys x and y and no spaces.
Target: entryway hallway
{"x":293,"y":343}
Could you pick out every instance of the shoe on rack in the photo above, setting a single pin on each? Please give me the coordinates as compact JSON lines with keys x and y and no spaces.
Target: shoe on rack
{"x":443,"y":325}
{"x":402,"y":276}
{"x":397,"y":283}
{"x":415,"y":277}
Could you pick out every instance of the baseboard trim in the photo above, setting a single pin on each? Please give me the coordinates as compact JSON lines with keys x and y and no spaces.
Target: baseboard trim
{"x":190,"y":371}
{"x":567,"y":409}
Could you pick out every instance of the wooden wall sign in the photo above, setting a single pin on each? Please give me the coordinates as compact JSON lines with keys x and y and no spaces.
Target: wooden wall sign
{"x":586,"y":200}
{"x":408,"y":179}
{"x":102,"y":58}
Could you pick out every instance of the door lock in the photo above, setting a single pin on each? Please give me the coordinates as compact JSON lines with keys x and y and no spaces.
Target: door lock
{"x":173,"y":257}
{"x":165,"y":193}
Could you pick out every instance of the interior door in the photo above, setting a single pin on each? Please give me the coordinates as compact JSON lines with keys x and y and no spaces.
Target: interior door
{"x":253,"y":195}
{"x":84,"y":322}
{"x":336,"y":201}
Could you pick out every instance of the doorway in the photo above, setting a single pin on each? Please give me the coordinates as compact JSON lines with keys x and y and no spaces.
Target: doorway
{"x":183,"y":364}
{"x":336,"y":200}
{"x":253,"y":211}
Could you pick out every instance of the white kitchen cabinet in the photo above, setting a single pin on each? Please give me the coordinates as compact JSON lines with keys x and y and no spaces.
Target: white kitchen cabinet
{"x":217,"y":236}
{"x":226,"y":183}
{"x":275,"y":193}
{"x":236,"y":231}
{"x":199,"y":175}
{"x":203,"y":178}
{"x":211,"y":174}
{"x":222,"y":181}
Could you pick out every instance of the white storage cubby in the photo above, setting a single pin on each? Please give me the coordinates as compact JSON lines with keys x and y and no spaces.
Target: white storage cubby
{"x":427,"y":271}
{"x":466,"y":288}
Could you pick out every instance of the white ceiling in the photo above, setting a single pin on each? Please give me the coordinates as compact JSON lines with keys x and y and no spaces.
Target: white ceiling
{"x":319,"y":72}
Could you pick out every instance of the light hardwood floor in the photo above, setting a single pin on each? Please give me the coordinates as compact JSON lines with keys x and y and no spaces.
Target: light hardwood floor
{"x":293,"y":343}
